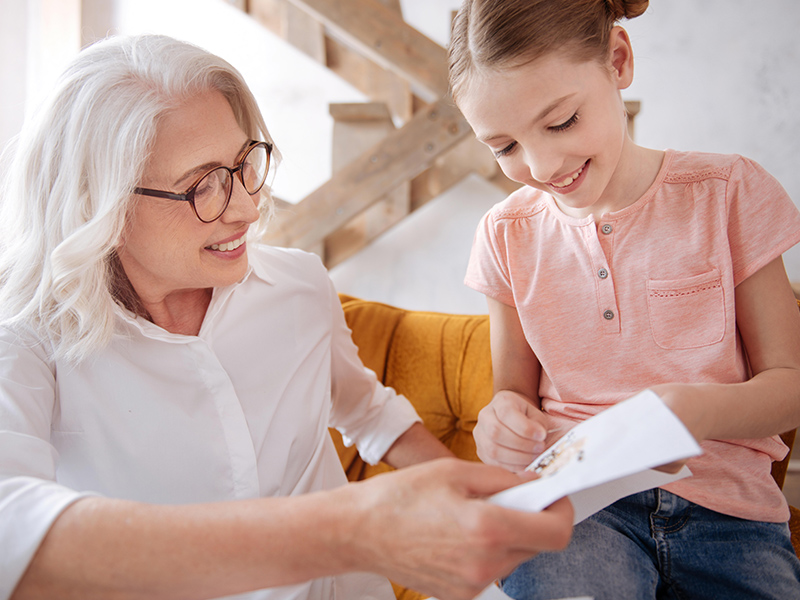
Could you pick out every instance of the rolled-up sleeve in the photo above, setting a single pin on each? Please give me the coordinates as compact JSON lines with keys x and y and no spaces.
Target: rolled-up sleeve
{"x":30,"y":499}
{"x":366,"y":413}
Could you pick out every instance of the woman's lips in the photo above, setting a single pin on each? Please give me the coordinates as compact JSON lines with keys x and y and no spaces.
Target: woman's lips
{"x":229,"y":246}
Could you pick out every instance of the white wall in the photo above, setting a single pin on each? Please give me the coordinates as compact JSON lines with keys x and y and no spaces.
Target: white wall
{"x":723,"y":76}
{"x":714,"y":75}
{"x":13,"y":72}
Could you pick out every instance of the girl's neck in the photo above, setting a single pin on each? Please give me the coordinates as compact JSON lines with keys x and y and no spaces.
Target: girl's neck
{"x":637,"y":170}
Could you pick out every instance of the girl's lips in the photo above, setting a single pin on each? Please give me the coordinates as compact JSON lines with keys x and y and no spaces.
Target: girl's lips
{"x":570,"y":182}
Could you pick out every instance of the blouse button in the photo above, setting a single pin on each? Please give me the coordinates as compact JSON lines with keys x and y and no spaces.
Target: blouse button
{"x":602,"y":273}
{"x":608,"y":315}
{"x":606,"y":228}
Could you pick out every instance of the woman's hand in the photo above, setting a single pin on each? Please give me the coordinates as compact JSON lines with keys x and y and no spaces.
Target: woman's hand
{"x":510,"y":432}
{"x":429,"y":528}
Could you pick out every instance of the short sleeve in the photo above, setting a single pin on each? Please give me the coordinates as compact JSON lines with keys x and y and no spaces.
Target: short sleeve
{"x":763,"y":222}
{"x":487,"y":270}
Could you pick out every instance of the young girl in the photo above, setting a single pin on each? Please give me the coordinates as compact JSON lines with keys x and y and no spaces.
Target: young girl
{"x":617,"y":268}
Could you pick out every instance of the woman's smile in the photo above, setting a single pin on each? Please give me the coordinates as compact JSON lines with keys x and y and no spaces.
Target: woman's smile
{"x":228,"y":245}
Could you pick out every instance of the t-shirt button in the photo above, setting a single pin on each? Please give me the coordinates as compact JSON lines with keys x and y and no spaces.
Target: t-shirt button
{"x":608,"y":315}
{"x":602,"y":273}
{"x":606,"y":228}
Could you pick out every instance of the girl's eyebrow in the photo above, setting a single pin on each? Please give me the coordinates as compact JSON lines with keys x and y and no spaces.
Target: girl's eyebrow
{"x":552,"y":106}
{"x":199,"y":170}
{"x":542,"y":115}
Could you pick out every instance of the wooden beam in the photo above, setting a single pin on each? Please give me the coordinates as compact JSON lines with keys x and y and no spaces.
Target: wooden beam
{"x":380,"y":33}
{"x":393,"y":4}
{"x":464,"y":158}
{"x":240,"y":4}
{"x":358,"y":127}
{"x":632,"y":107}
{"x":270,"y":14}
{"x":399,"y":157}
{"x":377,"y":83}
{"x":305,"y":33}
{"x":374,"y":81}
{"x":294,"y":25}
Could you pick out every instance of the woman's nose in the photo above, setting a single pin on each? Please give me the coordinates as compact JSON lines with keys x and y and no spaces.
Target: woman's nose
{"x":243,"y":206}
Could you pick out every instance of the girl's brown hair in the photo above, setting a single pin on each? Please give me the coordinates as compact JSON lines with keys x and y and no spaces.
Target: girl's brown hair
{"x":506,"y":33}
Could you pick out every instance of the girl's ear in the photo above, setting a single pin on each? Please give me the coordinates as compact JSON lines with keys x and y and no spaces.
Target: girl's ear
{"x":621,"y":57}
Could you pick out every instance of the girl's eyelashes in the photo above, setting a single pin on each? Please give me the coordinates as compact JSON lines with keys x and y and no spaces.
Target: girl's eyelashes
{"x":569,"y":123}
{"x":566,"y":124}
{"x":505,"y":151}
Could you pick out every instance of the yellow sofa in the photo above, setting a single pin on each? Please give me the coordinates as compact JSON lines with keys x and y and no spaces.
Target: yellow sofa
{"x":442,"y":364}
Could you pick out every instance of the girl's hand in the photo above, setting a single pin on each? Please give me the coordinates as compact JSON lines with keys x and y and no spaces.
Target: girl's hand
{"x":679,"y":399}
{"x":510,"y":432}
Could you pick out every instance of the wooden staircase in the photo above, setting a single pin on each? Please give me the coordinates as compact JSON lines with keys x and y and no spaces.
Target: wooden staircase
{"x":391,"y":155}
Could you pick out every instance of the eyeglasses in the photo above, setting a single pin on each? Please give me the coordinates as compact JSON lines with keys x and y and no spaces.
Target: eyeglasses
{"x":211,"y":194}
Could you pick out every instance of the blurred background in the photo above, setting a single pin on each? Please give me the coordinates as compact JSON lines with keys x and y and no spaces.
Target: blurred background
{"x":714,"y":75}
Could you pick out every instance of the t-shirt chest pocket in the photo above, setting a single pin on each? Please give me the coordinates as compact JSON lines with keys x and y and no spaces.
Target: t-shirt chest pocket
{"x":687,"y":313}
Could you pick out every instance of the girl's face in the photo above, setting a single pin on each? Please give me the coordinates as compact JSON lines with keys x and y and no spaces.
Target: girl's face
{"x":559,"y":125}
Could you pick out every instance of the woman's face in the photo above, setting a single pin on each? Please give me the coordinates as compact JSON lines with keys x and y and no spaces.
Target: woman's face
{"x":166,"y":248}
{"x":558,"y":125}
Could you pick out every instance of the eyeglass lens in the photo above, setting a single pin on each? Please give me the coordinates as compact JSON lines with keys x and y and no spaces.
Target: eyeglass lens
{"x":212,"y":192}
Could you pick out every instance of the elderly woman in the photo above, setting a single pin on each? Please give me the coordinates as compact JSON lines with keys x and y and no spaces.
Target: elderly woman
{"x":166,"y":385}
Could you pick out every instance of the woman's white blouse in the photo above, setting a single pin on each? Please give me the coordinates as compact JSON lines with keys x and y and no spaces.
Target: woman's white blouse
{"x":239,"y":411}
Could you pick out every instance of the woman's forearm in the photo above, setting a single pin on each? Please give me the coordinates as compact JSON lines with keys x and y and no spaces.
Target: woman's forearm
{"x":113,"y":549}
{"x":415,"y":445}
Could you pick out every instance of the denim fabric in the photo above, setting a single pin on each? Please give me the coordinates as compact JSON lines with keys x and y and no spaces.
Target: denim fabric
{"x":657,"y":545}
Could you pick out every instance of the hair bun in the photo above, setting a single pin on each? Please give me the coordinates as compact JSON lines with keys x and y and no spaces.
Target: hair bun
{"x":627,"y":9}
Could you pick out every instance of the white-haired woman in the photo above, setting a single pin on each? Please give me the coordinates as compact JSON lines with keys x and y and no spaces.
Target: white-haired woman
{"x":166,"y":385}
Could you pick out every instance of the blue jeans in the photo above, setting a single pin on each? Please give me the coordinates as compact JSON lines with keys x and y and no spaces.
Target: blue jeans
{"x":657,"y":545}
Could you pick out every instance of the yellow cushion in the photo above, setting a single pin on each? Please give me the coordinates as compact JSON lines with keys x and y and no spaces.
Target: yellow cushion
{"x":440,"y":362}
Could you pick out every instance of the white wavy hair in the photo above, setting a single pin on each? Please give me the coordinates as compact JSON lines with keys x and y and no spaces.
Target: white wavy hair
{"x":70,"y":174}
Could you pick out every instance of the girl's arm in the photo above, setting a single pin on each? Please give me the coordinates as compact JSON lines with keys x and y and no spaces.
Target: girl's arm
{"x":424,"y":527}
{"x":769,"y":403}
{"x":511,"y":429}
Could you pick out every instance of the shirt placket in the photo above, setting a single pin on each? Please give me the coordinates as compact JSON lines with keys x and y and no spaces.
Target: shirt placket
{"x":239,"y":442}
{"x":599,"y":241}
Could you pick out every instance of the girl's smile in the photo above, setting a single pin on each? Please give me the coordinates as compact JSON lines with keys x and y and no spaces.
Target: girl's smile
{"x":570,"y":182}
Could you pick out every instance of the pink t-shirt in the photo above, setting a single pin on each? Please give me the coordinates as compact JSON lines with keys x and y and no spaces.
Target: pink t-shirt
{"x":646,"y":296}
